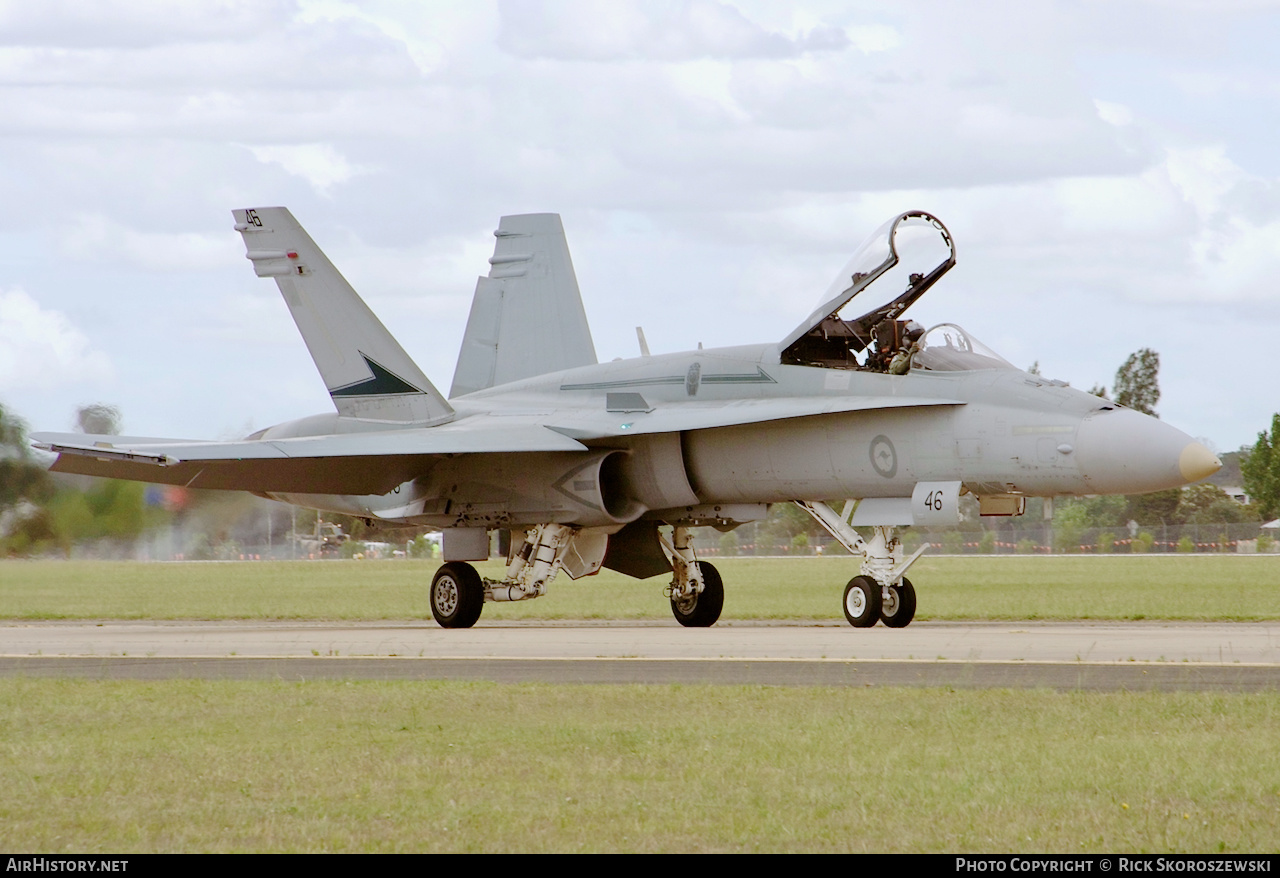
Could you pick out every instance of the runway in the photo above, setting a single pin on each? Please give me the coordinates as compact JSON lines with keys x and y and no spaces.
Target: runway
{"x":1096,"y":656}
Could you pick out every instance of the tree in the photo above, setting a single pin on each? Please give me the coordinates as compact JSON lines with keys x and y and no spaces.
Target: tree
{"x":24,"y":485}
{"x":1159,"y":507}
{"x":1137,"y":385}
{"x":787,"y":521}
{"x":1092,"y":512}
{"x":22,"y":477}
{"x":98,"y":418}
{"x":1261,"y":471}
{"x":1207,"y":504}
{"x":1069,"y":524}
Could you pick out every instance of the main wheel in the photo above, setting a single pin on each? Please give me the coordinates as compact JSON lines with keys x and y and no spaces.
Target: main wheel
{"x":899,"y":608}
{"x":703,"y":609}
{"x":457,"y":595}
{"x":862,"y":602}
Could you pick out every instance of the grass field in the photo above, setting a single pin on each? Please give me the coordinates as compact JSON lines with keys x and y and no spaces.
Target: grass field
{"x":1194,"y":587}
{"x":362,"y":766}
{"x":181,"y":765}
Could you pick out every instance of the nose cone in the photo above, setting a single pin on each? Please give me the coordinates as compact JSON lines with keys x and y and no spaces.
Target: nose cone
{"x":1127,"y":452}
{"x":1197,"y":462}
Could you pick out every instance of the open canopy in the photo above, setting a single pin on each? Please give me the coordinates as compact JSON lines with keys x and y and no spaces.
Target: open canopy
{"x":901,"y":259}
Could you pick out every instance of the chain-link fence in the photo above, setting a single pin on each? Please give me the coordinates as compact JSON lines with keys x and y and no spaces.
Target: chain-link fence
{"x":1011,"y":537}
{"x":1016,"y":539}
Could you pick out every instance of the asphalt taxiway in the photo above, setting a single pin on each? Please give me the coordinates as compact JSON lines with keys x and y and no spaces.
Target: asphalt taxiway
{"x":1096,"y":656}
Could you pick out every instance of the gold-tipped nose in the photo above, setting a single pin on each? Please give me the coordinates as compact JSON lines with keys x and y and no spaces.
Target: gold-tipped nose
{"x":1196,"y":462}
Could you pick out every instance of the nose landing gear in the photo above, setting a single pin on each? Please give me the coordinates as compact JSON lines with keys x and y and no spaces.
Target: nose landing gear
{"x":880,"y":592}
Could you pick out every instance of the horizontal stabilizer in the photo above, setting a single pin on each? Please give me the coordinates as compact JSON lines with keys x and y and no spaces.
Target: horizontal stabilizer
{"x":367,"y":373}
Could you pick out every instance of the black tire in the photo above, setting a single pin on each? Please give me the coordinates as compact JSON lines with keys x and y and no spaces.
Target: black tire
{"x":900,"y":608}
{"x":862,"y":600}
{"x":705,"y":609}
{"x":457,"y":595}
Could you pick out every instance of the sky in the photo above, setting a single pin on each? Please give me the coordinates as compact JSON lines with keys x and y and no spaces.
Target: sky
{"x":1108,"y":171}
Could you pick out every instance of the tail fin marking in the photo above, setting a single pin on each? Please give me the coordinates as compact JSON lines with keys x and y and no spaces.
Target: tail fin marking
{"x":366,"y":371}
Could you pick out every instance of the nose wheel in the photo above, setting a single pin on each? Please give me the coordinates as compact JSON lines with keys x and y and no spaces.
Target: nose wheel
{"x":862,"y":601}
{"x":898,"y":607}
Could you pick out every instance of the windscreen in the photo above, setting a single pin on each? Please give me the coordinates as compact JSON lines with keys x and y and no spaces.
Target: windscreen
{"x":948,"y":348}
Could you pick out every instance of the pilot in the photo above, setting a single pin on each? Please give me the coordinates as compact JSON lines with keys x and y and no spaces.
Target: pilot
{"x":901,"y":362}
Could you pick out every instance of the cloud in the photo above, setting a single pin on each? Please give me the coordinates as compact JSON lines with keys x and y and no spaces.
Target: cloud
{"x":719,"y":160}
{"x":671,"y":30}
{"x":41,"y":350}
{"x":870,"y":38}
{"x":1236,"y":250}
{"x":132,"y":23}
{"x":1197,"y":228}
{"x":318,"y":163}
{"x":1113,"y":113}
{"x":432,"y":34}
{"x":97,"y":238}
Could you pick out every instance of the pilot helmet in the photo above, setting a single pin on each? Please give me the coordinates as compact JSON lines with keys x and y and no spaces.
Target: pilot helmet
{"x":912,"y":331}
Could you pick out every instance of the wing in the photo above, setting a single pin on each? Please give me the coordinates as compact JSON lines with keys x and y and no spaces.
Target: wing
{"x":376,"y":462}
{"x":527,"y":317}
{"x":352,"y":463}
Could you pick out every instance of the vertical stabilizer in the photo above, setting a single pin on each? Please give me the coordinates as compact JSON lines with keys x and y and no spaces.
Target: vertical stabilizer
{"x":367,"y":373}
{"x":527,"y":317}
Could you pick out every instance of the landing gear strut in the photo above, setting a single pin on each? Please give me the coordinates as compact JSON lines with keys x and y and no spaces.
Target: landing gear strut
{"x":458,"y":593}
{"x":696,"y":590}
{"x":880,"y":592}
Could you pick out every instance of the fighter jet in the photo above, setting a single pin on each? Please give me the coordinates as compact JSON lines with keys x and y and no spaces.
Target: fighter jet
{"x":612,"y":465}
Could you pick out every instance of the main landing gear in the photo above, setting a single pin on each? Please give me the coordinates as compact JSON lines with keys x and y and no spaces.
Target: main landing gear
{"x":459,"y":593}
{"x":880,"y":593}
{"x":696,"y":590}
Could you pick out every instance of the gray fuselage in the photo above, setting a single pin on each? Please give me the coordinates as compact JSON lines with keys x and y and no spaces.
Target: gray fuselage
{"x":998,"y":431}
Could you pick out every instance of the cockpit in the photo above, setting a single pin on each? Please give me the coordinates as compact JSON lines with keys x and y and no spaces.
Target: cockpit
{"x":902,"y":259}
